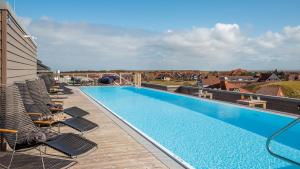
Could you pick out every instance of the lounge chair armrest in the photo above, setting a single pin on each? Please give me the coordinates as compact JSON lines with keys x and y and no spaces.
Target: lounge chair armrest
{"x":55,"y":109}
{"x":58,"y":101}
{"x":8,"y":131}
{"x":46,"y":122}
{"x":34,"y":114}
{"x":56,"y":88}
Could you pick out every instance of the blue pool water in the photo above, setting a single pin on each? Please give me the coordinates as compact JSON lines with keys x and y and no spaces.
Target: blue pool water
{"x":202,"y":133}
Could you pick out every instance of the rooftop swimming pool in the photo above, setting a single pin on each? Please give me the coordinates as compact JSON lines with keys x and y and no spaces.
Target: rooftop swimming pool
{"x":202,"y":133}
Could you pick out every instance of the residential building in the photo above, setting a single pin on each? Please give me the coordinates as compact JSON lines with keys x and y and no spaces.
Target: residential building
{"x":271,"y":91}
{"x":268,"y":77}
{"x":238,"y":72}
{"x":209,"y":80}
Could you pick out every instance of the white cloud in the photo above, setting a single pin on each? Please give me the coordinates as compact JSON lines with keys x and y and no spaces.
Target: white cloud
{"x":70,"y":46}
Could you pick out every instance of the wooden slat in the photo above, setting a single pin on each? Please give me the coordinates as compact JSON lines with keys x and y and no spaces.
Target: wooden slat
{"x":3,"y":58}
{"x":14,"y":57}
{"x":22,"y":78}
{"x":20,"y":38}
{"x":16,"y":65}
{"x":8,"y":131}
{"x":19,"y":73}
{"x":12,"y":48}
{"x":16,"y":43}
{"x":14,"y":25}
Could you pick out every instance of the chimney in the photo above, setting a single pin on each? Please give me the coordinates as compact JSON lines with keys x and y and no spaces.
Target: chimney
{"x":223,"y":81}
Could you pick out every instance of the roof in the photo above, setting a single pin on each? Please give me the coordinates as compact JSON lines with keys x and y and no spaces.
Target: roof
{"x":233,"y":87}
{"x":270,"y":90}
{"x":163,"y":75}
{"x":241,"y":78}
{"x":225,"y":85}
{"x":266,"y":76}
{"x":238,"y":71}
{"x":210,"y":80}
{"x":41,"y":68}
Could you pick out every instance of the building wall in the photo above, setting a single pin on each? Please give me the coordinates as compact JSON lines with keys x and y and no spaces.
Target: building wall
{"x":0,"y":47}
{"x":20,"y":51}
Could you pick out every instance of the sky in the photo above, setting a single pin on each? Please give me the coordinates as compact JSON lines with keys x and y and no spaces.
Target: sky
{"x":164,"y":34}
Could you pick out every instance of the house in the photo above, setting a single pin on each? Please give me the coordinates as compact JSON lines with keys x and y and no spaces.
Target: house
{"x":242,"y":80}
{"x":268,"y":77}
{"x":292,"y":77}
{"x":237,"y":81}
{"x":233,"y":87}
{"x":224,"y":84}
{"x":271,"y":91}
{"x":164,"y":76}
{"x":229,"y":86}
{"x":210,"y":81}
{"x":238,"y":72}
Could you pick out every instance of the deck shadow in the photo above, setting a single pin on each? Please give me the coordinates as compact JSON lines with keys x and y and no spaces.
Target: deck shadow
{"x":25,"y":161}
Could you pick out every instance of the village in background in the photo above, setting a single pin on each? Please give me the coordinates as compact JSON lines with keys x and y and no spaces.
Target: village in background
{"x":273,"y":83}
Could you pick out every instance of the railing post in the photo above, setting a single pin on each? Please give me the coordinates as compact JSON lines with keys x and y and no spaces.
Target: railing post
{"x":280,"y":131}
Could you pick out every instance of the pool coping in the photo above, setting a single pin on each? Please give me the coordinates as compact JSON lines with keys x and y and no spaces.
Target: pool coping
{"x":162,"y":154}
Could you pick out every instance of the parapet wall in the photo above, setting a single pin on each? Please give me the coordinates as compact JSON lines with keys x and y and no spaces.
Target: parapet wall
{"x":282,"y":104}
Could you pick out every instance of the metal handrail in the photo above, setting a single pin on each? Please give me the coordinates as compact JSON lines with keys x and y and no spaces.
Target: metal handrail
{"x":122,"y":78}
{"x":277,"y":133}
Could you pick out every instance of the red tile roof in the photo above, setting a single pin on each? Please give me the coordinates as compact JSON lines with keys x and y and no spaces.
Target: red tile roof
{"x":210,"y":80}
{"x":270,"y":90}
{"x":233,"y":87}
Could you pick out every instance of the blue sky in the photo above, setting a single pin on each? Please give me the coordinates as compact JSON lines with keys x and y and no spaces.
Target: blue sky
{"x":257,"y":16}
{"x":165,"y":34}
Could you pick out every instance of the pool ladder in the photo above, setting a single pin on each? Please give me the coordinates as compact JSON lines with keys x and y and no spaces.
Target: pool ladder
{"x":277,"y":133}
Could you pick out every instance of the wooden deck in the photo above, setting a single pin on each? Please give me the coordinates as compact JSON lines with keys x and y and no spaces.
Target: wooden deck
{"x":117,"y":148}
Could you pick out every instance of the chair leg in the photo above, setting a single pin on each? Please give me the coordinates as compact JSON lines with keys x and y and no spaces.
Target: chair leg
{"x":13,"y":153}
{"x":41,"y":155}
{"x":11,"y":160}
{"x":59,"y":128}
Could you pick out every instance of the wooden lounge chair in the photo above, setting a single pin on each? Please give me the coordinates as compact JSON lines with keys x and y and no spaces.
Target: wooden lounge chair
{"x":38,"y":111}
{"x":55,"y":88}
{"x":51,"y":85}
{"x":21,"y":134}
{"x":41,"y":96}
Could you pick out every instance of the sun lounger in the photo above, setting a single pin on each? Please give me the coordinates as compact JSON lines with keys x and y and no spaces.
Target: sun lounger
{"x":21,"y":134}
{"x":41,"y":96}
{"x":40,"y":113}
